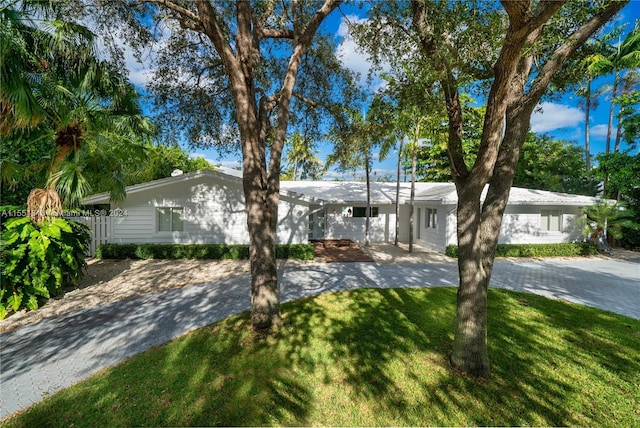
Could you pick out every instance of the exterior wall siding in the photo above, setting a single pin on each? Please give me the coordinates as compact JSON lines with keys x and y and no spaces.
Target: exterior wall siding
{"x":521,"y":225}
{"x":434,"y":238}
{"x":213,"y":212}
{"x":381,"y":228}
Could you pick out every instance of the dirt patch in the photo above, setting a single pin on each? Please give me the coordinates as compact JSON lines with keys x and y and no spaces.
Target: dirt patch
{"x":340,"y":250}
{"x":112,"y":280}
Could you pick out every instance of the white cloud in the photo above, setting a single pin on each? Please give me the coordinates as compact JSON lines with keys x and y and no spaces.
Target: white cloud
{"x":550,"y":116}
{"x":228,"y":164}
{"x":601,"y":131}
{"x":203,"y":156}
{"x":351,"y":55}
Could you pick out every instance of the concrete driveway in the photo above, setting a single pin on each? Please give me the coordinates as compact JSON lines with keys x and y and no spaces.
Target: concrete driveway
{"x":39,"y":359}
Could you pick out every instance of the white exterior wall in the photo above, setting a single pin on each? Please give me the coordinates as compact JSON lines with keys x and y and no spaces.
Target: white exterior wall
{"x":214,"y":212}
{"x":521,"y":225}
{"x":434,"y":238}
{"x":381,"y":228}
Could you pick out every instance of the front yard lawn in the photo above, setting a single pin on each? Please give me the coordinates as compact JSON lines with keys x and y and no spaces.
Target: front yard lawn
{"x":372,"y":357}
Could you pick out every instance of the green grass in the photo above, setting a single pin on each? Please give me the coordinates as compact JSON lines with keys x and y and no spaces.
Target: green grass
{"x":373,"y":357}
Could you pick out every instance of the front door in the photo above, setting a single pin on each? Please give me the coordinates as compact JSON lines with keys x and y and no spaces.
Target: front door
{"x":316,"y":223}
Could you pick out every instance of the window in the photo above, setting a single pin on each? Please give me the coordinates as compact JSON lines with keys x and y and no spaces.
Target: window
{"x":431,"y":219}
{"x":359,"y":212}
{"x":550,"y":220}
{"x":170,"y":219}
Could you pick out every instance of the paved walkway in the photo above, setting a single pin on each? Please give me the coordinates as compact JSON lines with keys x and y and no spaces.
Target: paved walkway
{"x":39,"y":359}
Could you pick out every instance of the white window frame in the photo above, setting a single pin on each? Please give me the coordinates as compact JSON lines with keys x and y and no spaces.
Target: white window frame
{"x":431,"y":218}
{"x":171,"y":219}
{"x":547,"y":216}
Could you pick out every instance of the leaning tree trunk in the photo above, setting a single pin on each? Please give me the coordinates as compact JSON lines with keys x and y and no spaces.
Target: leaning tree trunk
{"x":478,"y":234}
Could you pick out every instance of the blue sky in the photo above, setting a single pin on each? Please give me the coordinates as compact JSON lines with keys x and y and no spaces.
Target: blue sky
{"x":562,"y":118}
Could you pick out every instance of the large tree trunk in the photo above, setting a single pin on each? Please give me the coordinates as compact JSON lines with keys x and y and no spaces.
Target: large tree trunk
{"x":469,"y":352}
{"x":261,"y":184}
{"x":262,"y":214}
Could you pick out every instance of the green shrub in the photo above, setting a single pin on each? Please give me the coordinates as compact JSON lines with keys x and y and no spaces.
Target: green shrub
{"x":538,"y":250}
{"x":197,"y":251}
{"x":38,"y":260}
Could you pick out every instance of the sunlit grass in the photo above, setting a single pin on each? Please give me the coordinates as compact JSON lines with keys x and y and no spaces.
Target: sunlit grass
{"x":373,"y":357}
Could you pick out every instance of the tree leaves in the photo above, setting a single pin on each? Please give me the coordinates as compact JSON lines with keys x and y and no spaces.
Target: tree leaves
{"x":35,"y":261}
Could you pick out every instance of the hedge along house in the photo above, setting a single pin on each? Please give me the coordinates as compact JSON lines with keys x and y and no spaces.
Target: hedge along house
{"x":208,"y":207}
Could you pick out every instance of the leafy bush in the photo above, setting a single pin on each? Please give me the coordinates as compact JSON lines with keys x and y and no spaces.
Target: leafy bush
{"x":197,"y":251}
{"x":538,"y":250}
{"x":38,"y":260}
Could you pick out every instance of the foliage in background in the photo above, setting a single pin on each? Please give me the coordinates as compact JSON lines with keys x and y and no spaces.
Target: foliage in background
{"x":301,"y":160}
{"x":37,"y":261}
{"x":554,"y":165}
{"x":432,"y":157}
{"x":198,"y":251}
{"x":139,"y":165}
{"x":623,"y":172}
{"x":160,"y":161}
{"x":629,"y":114}
{"x":604,"y":219}
{"x":569,"y":249}
{"x":56,"y":88}
{"x":23,"y":166}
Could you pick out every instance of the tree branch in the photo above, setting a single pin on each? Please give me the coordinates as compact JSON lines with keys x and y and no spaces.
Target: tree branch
{"x":305,"y":100}
{"x":211,"y":26}
{"x":517,"y":10}
{"x":573,"y":42}
{"x":171,"y":6}
{"x":271,"y":33}
{"x":301,"y":45}
{"x":449,"y":87}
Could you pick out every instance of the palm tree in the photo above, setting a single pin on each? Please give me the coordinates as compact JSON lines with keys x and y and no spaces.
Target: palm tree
{"x":300,"y":156}
{"x":55,"y":87}
{"x":28,"y":52}
{"x":590,"y":64}
{"x":626,"y":56}
{"x":604,"y":219}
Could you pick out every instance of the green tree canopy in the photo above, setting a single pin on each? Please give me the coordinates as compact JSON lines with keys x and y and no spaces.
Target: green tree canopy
{"x":555,"y":165}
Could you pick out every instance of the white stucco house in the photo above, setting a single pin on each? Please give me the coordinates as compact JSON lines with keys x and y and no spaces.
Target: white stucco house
{"x":208,"y":207}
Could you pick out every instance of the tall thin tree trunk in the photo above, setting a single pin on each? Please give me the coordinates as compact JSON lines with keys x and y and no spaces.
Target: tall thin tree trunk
{"x":587,"y":144}
{"x":412,"y":227}
{"x":367,"y":167}
{"x":625,"y":91}
{"x":395,"y":242}
{"x":611,"y":107}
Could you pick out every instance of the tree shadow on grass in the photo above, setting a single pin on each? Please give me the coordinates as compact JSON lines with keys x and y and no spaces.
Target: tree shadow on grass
{"x":222,"y":375}
{"x":382,"y":355}
{"x":384,"y":342}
